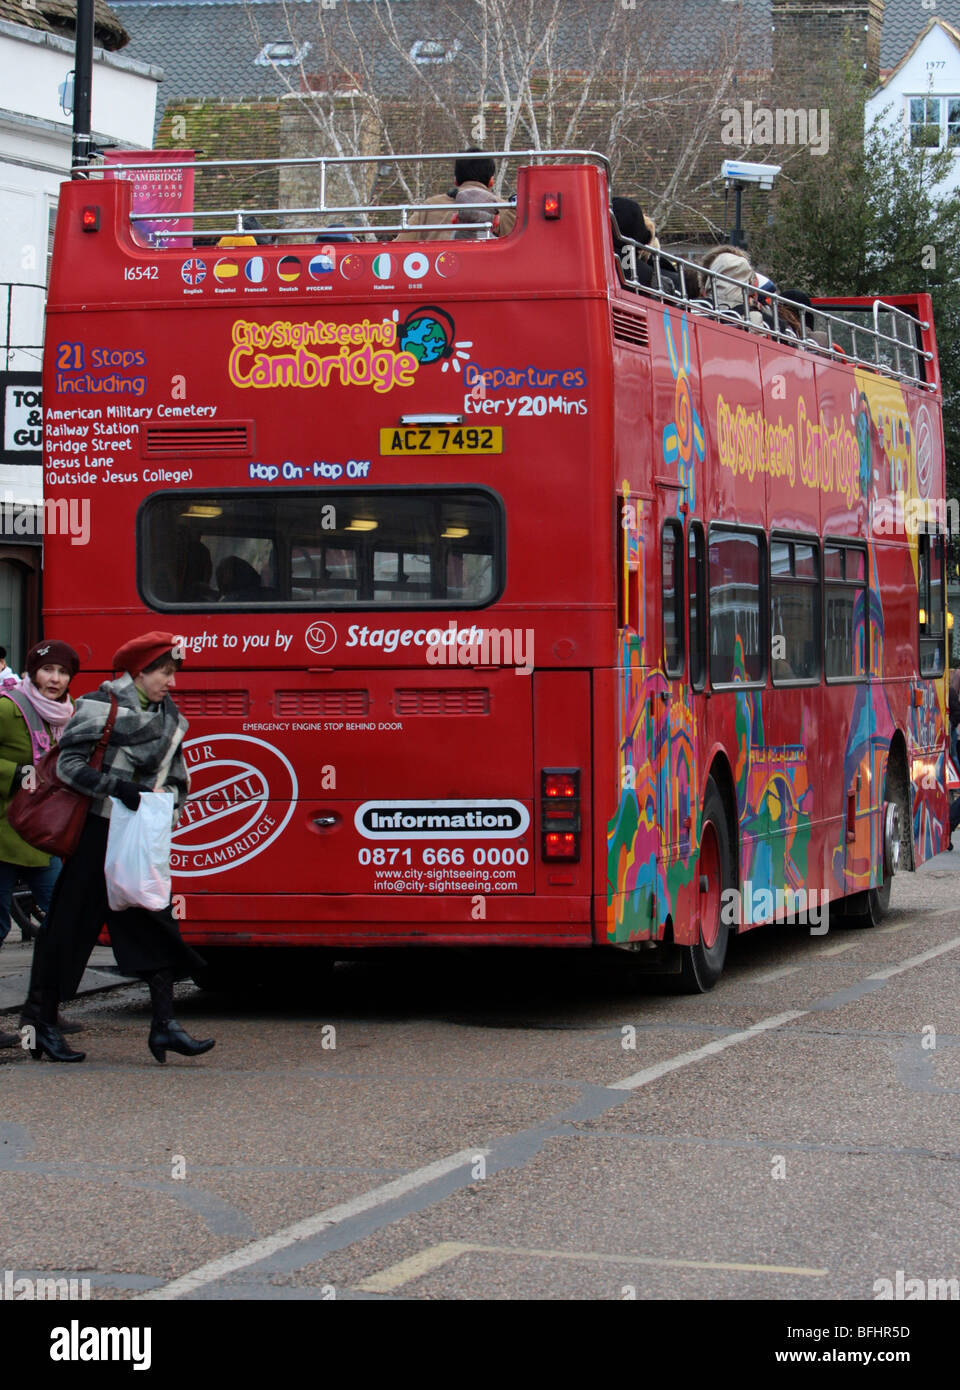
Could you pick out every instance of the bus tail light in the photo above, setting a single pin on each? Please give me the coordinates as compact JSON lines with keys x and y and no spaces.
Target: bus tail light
{"x":90,"y":219}
{"x":551,"y":206}
{"x":560,"y":813}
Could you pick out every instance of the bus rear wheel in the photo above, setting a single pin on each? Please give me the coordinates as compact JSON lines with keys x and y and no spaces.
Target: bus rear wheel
{"x":702,"y":963}
{"x":869,"y":908}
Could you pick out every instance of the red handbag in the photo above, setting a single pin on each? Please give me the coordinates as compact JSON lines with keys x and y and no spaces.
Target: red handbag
{"x":51,"y":817}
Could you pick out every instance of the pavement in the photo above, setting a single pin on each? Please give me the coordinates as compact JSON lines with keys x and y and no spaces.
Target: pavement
{"x":16,"y":956}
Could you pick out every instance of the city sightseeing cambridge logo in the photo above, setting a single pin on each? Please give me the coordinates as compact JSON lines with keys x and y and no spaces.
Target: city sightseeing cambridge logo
{"x":243,"y":792}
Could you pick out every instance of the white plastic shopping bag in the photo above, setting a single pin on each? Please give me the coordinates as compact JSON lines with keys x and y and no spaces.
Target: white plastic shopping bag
{"x":137,"y":866}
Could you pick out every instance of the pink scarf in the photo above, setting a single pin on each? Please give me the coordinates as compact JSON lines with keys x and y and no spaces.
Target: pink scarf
{"x":56,"y":713}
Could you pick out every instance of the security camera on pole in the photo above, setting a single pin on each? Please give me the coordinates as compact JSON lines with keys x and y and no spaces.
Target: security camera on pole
{"x":737,"y":173}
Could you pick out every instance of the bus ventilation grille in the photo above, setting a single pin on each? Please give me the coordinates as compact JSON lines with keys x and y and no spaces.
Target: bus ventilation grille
{"x":630,"y":328}
{"x":456,"y":701}
{"x":211,"y":703}
{"x":169,"y":441}
{"x":321,"y":702}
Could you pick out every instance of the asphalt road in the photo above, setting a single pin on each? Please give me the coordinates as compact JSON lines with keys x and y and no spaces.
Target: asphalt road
{"x":441,"y":1127}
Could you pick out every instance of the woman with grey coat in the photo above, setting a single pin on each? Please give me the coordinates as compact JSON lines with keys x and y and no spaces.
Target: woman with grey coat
{"x":148,"y":727}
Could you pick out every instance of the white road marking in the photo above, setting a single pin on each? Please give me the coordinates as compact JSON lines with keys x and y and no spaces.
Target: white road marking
{"x":685,"y":1059}
{"x":922,"y":959}
{"x":839,"y":950}
{"x":415,"y":1266}
{"x":260,"y":1249}
{"x":771,"y":975}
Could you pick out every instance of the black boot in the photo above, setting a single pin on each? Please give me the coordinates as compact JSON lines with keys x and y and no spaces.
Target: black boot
{"x":43,"y":1036}
{"x":31,"y":1013}
{"x":46,"y":1038}
{"x":9,"y":1039}
{"x":166,"y":1035}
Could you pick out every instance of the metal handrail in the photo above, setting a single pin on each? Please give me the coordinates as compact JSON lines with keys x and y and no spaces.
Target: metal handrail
{"x":323,"y":163}
{"x":328,"y":160}
{"x":240,"y":216}
{"x":728,"y":314}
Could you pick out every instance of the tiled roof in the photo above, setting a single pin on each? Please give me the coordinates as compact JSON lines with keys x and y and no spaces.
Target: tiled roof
{"x":904,"y":21}
{"x":59,"y":17}
{"x":207,"y":48}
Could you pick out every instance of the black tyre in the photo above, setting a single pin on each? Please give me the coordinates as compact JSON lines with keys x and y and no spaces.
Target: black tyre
{"x":702,"y":964}
{"x":869,"y":908}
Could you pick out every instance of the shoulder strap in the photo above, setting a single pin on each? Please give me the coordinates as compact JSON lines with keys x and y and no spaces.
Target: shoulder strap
{"x":97,"y":759}
{"x":34,"y":722}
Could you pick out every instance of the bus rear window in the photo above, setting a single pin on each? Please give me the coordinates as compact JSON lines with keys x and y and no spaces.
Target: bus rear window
{"x":340,"y":548}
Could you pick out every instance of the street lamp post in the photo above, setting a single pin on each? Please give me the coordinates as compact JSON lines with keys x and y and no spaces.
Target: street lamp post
{"x":83,"y":82}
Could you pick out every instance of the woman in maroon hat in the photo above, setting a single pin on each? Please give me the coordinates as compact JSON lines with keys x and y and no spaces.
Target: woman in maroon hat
{"x":146,"y":943}
{"x":33,"y":715}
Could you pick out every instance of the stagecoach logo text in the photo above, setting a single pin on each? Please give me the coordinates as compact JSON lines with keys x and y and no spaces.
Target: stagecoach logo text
{"x":243,"y":792}
{"x":271,"y":355}
{"x":441,"y":820}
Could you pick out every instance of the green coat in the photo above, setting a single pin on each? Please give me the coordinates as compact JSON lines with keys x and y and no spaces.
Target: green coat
{"x":15,"y":747}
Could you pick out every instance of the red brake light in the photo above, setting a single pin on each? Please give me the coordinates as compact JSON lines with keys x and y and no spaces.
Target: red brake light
{"x":560,"y":813}
{"x":90,"y":219}
{"x":560,"y":846}
{"x":557,"y":784}
{"x":551,"y":205}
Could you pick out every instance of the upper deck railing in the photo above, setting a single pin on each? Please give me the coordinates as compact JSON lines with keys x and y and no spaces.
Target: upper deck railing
{"x":371,"y":215}
{"x":841,"y":338}
{"x":892,"y":349}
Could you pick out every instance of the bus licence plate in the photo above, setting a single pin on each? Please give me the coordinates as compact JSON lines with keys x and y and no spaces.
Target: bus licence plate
{"x":442,"y":439}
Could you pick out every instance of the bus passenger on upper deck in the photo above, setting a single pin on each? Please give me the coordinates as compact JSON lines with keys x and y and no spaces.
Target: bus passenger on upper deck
{"x":473,"y":212}
{"x":467,"y":173}
{"x":730,"y":262}
{"x":632,"y":224}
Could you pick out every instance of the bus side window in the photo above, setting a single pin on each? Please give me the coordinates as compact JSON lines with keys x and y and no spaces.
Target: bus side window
{"x":930,"y":604}
{"x":696,"y":590}
{"x":794,"y":611}
{"x":672,"y":576}
{"x":845,"y":612}
{"x":737,"y":583}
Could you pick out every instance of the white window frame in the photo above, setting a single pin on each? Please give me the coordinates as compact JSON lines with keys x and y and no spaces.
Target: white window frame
{"x":944,"y":101}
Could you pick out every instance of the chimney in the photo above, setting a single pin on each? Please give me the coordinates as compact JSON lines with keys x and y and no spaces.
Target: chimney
{"x":812,"y":36}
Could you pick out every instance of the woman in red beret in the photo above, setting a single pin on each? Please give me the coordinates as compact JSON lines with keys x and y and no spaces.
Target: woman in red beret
{"x":33,"y":715}
{"x":145,"y":943}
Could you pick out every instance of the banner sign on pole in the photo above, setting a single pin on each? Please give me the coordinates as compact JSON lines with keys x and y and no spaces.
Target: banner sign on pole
{"x":157,"y":190}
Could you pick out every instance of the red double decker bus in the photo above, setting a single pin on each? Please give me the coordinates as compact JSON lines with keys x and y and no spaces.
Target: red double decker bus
{"x":522,"y":605}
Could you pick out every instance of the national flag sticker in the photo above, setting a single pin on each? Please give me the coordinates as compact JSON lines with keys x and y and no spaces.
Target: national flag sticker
{"x":225,"y":270}
{"x":447,"y":264}
{"x":193,"y":271}
{"x":320,"y":265}
{"x":351,"y":266}
{"x":289,"y":268}
{"x":382,"y":265}
{"x":255,"y":270}
{"x":415,"y":266}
